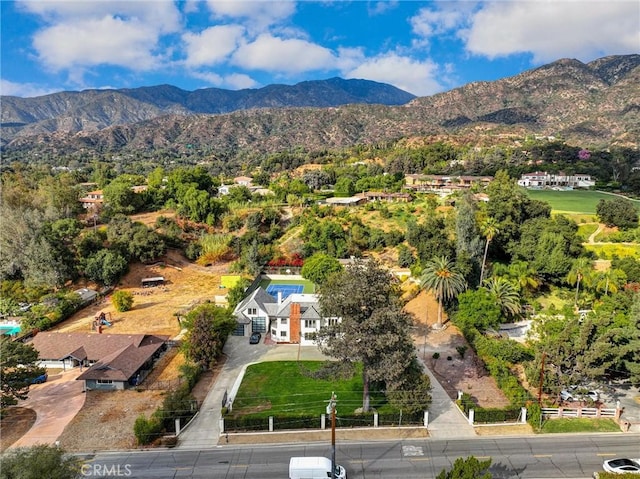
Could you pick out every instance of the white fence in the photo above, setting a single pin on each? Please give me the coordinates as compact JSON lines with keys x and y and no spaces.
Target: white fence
{"x":553,"y":412}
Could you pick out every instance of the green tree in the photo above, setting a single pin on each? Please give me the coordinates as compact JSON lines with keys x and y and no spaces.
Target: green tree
{"x":345,"y":187}
{"x":208,"y":327}
{"x":106,"y":267}
{"x":237,"y":292}
{"x":373,"y":328}
{"x":617,"y":212}
{"x":38,"y":462}
{"x":468,"y":468}
{"x":581,"y":272}
{"x":505,"y":294}
{"x":477,"y":309}
{"x":119,"y":197}
{"x":319,"y":267}
{"x":610,"y":280}
{"x":441,"y":277}
{"x":489,"y":229}
{"x":122,"y":300}
{"x":17,"y":368}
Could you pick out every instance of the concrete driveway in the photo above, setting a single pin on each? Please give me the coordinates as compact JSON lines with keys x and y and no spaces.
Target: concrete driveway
{"x":56,"y":403}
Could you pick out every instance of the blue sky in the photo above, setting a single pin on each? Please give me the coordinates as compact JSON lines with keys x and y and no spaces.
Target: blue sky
{"x":421,"y":47}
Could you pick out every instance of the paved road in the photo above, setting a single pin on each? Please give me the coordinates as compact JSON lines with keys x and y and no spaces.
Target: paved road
{"x":549,"y":456}
{"x":445,"y":419}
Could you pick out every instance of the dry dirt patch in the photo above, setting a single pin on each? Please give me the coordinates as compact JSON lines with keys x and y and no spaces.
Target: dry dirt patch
{"x":154,"y":309}
{"x":15,"y":422}
{"x":465,"y":374}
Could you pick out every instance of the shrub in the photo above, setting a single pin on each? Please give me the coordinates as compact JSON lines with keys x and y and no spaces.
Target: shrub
{"x":122,"y":301}
{"x":147,"y":430}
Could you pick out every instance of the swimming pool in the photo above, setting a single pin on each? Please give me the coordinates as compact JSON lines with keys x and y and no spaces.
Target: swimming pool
{"x":10,"y":329}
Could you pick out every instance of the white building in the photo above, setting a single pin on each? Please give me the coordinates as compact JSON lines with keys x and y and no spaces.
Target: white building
{"x":542,"y":179}
{"x":294,"y":319}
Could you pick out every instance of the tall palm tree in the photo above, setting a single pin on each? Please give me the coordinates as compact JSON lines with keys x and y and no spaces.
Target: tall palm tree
{"x":441,"y":277}
{"x":610,"y":280}
{"x":489,"y":229}
{"x":506,"y":295}
{"x":581,"y":271}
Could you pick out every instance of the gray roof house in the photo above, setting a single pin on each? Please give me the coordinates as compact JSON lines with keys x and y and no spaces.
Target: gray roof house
{"x":116,"y":361}
{"x":293,"y":319}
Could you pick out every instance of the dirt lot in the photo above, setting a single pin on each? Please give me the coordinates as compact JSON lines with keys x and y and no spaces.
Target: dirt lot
{"x":456,"y":374}
{"x":154,"y":309}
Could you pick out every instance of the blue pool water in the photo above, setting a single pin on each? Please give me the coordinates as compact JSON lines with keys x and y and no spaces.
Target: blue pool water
{"x":9,"y":329}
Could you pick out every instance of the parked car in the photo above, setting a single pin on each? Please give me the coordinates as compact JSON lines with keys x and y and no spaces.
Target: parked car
{"x":622,"y":466}
{"x":576,"y":394}
{"x":255,"y":338}
{"x":566,"y":396}
{"x":40,"y":379}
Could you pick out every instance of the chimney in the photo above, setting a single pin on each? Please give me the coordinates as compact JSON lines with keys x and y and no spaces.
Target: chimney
{"x":295,"y":328}
{"x":279,"y":297}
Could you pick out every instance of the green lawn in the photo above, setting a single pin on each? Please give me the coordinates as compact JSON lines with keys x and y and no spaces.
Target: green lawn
{"x":580,"y":425}
{"x":574,"y":201}
{"x":288,"y":388}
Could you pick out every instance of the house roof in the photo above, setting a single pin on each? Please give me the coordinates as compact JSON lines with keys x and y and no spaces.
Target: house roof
{"x":262,"y":300}
{"x":122,"y":364}
{"x":89,"y":346}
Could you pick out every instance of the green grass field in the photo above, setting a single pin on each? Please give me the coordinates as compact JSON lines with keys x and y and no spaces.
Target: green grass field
{"x":574,"y":201}
{"x":288,"y":388}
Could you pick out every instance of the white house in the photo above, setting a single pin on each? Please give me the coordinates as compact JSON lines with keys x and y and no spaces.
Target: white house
{"x":542,"y":179}
{"x":294,"y":319}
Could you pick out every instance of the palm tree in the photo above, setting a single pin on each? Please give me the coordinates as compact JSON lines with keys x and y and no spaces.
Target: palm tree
{"x":610,"y":280}
{"x":505,"y":294}
{"x":525,"y":276}
{"x":441,"y":277}
{"x":581,"y":271}
{"x":489,"y":229}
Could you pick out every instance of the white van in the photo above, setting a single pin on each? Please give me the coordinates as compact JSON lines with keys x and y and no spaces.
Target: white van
{"x":314,"y":468}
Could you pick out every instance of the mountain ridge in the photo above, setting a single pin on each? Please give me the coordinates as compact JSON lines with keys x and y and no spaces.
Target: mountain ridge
{"x":587,"y":103}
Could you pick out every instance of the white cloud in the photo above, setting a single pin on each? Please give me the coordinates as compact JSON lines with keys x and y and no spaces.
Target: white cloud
{"x":269,"y":53}
{"x":259,"y":14}
{"x":238,"y":81}
{"x":555,"y":29}
{"x":417,"y":77}
{"x":97,"y":41}
{"x":382,"y":7}
{"x":213,"y":45}
{"x":161,"y":15}
{"x":24,"y":90}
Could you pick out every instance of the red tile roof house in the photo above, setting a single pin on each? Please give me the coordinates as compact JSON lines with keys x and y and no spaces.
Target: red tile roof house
{"x":117,"y":361}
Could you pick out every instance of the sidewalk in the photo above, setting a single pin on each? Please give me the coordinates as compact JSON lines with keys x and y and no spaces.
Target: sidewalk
{"x":445,"y":419}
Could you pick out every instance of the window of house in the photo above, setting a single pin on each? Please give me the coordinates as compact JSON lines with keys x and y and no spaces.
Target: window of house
{"x":283,"y":334}
{"x":252,"y":311}
{"x":310,"y":336}
{"x":273,"y":332}
{"x":104,"y":381}
{"x":332,"y":321}
{"x":283,"y":321}
{"x":309,"y":323}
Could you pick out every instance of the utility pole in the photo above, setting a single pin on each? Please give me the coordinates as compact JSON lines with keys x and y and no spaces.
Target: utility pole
{"x":331,"y":409}
{"x":544,"y":355}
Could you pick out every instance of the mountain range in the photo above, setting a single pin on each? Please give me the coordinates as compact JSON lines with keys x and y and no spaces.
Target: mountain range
{"x":589,"y":104}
